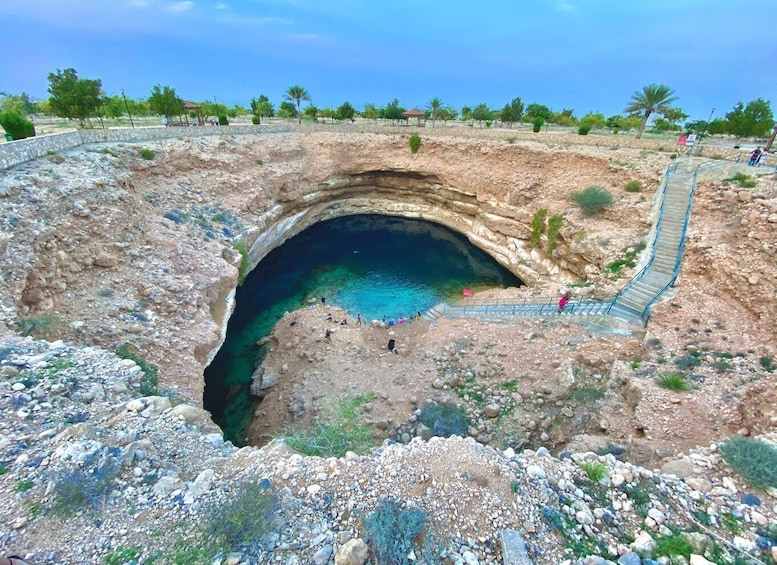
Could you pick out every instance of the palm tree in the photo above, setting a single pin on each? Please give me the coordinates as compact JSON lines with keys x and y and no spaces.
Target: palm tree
{"x":653,"y":98}
{"x":297,"y":93}
{"x":434,"y":105}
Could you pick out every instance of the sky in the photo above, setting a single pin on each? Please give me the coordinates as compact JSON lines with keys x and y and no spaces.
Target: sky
{"x":587,"y":55}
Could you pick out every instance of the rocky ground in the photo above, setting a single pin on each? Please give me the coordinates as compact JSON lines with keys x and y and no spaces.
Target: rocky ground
{"x":100,"y":247}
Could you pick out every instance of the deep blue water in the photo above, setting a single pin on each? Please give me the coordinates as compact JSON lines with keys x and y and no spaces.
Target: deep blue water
{"x":376,"y":266}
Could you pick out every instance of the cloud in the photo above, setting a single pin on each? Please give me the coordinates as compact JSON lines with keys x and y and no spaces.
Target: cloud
{"x":221,"y":6}
{"x":180,"y":6}
{"x":565,"y":7}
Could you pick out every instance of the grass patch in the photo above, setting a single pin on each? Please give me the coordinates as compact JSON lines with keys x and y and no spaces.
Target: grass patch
{"x":672,"y":545}
{"x":445,"y":420}
{"x":339,"y":432}
{"x":538,"y":226}
{"x":755,"y":460}
{"x":592,"y":199}
{"x":767,"y":363}
{"x":633,"y":186}
{"x":743,"y":180}
{"x":242,"y":270}
{"x":149,"y":382}
{"x":673,"y":381}
{"x":554,"y":228}
{"x":43,"y":327}
{"x":147,"y":154}
{"x":239,"y":523}
{"x":24,"y":485}
{"x":687,"y":361}
{"x":122,"y":555}
{"x":259,"y":162}
{"x":587,"y":394}
{"x":594,"y":470}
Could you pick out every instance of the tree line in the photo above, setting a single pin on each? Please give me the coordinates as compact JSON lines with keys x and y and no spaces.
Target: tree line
{"x":84,"y":100}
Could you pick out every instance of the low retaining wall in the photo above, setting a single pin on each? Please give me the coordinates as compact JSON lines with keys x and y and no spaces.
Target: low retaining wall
{"x":17,"y":152}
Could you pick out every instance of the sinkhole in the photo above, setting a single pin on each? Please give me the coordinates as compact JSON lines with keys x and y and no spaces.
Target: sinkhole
{"x":379,"y":267}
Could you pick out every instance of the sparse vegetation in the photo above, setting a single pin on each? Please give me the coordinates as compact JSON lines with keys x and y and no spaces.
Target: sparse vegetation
{"x":147,"y":154}
{"x":242,"y":270}
{"x":633,"y":186}
{"x":588,"y":394}
{"x":122,"y":555}
{"x":743,"y":180}
{"x":592,"y":199}
{"x":767,"y":363}
{"x":415,"y":143}
{"x":594,"y":470}
{"x":240,"y":522}
{"x":537,"y":124}
{"x":149,"y":382}
{"x":673,"y":381}
{"x":77,"y":488}
{"x":755,"y":460}
{"x":339,"y":431}
{"x":259,"y":162}
{"x":584,"y":129}
{"x":672,"y":545}
{"x":538,"y":226}
{"x":554,"y":227}
{"x":394,"y":532}
{"x":41,"y":326}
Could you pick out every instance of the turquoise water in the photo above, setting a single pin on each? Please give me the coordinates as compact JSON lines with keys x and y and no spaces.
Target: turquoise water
{"x":376,"y":266}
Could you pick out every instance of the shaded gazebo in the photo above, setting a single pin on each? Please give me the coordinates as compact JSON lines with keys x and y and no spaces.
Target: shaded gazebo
{"x":196,"y":108}
{"x":417,"y":114}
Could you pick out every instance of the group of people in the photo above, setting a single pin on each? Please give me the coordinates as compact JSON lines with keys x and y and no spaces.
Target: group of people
{"x":758,"y":157}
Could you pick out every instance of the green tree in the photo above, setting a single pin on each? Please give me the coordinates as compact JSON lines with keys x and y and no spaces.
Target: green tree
{"x":652,"y":98}
{"x":20,"y":104}
{"x":448,"y":113}
{"x":615,"y":122}
{"x":262,"y":107}
{"x":538,"y":111}
{"x":565,"y":117}
{"x":466,"y":113}
{"x":717,"y":126}
{"x":481,"y":113}
{"x":370,"y":112}
{"x":16,"y":125}
{"x":393,"y":111}
{"x":287,"y":110}
{"x":434,"y":106}
{"x":345,"y":111}
{"x":297,"y":94}
{"x":594,"y":120}
{"x":113,"y":106}
{"x":753,"y":120}
{"x":164,"y":102}
{"x":73,"y":97}
{"x":675,"y":115}
{"x":663,"y":125}
{"x":512,"y":112}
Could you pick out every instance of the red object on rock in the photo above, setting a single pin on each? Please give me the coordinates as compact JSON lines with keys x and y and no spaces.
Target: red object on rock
{"x":467,"y":292}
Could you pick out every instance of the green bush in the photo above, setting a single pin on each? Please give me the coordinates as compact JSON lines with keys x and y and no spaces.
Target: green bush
{"x":745,"y":181}
{"x":393,"y":532}
{"x":256,"y":120}
{"x":554,"y":227}
{"x":538,"y":122}
{"x":16,"y":125}
{"x":592,"y":199}
{"x":76,"y":488}
{"x":223,"y":120}
{"x":672,"y":545}
{"x":594,"y":470}
{"x":584,"y":129}
{"x":122,"y":555}
{"x":755,"y":460}
{"x":767,"y":363}
{"x":242,"y":270}
{"x":339,"y":432}
{"x":147,"y":154}
{"x":673,"y":381}
{"x":149,"y":382}
{"x":238,"y":524}
{"x":43,"y":327}
{"x":588,"y":394}
{"x":415,"y":142}
{"x":444,"y":420}
{"x":687,"y":362}
{"x":538,"y":226}
{"x":633,"y":186}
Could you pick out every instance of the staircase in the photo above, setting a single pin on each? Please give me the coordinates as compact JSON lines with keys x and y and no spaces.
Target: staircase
{"x":632,"y":304}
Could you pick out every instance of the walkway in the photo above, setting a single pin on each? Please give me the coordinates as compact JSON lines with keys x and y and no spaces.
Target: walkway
{"x":632,"y":304}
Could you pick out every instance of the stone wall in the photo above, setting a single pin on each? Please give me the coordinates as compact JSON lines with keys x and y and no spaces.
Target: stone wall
{"x":17,"y":152}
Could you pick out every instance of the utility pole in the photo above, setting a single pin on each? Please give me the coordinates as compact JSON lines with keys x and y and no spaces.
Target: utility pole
{"x":127,"y":107}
